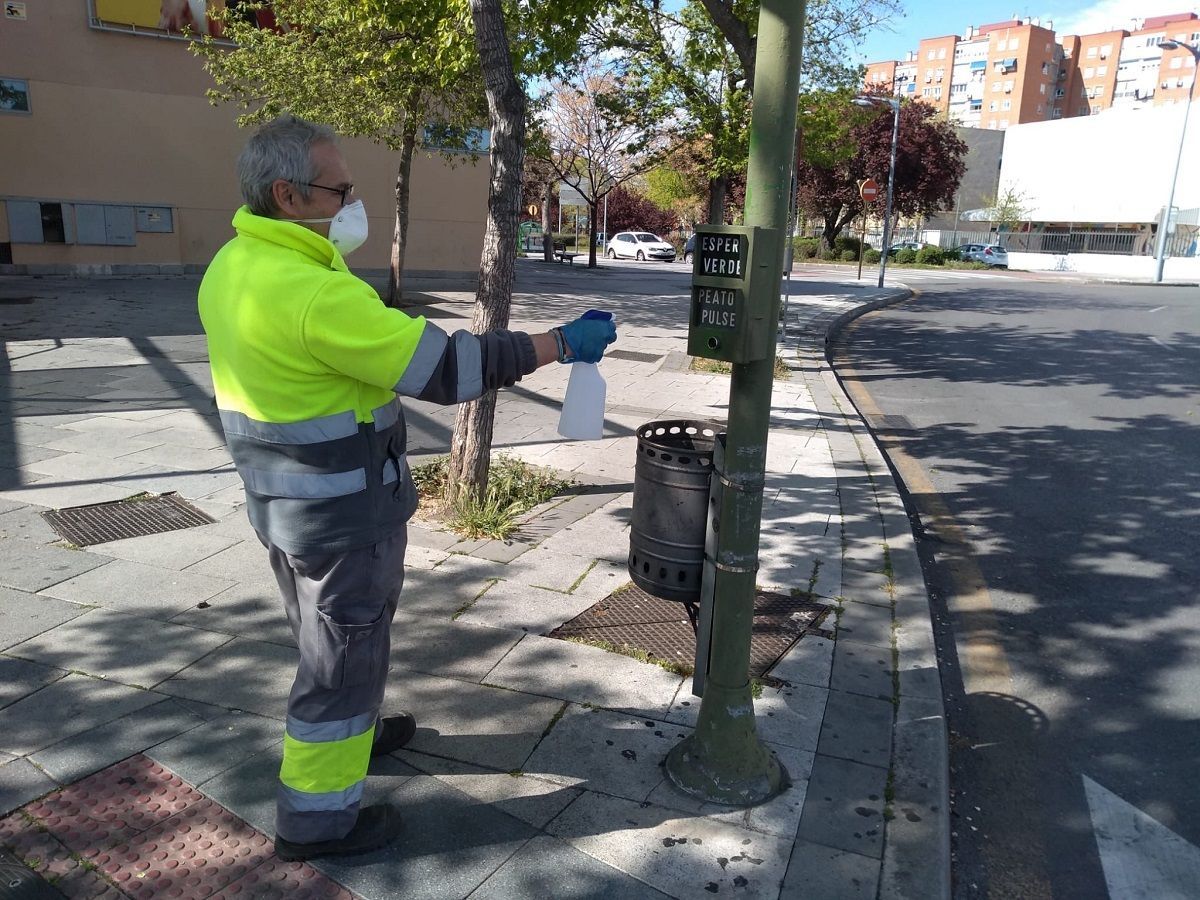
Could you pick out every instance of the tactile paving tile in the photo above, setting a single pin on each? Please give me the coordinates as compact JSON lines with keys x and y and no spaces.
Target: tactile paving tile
{"x":114,"y":804}
{"x":52,"y":861}
{"x":140,"y":827}
{"x":276,"y":880}
{"x":193,"y":854}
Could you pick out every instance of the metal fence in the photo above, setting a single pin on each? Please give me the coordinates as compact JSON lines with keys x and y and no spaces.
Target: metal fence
{"x":1061,"y":239}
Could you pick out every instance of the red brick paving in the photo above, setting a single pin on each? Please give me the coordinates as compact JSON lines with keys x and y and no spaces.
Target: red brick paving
{"x":137,"y":830}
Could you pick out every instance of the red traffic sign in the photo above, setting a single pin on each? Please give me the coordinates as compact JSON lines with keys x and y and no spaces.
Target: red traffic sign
{"x":869,"y":190}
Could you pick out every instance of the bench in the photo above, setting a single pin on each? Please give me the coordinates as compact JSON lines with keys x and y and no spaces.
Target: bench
{"x":561,"y":254}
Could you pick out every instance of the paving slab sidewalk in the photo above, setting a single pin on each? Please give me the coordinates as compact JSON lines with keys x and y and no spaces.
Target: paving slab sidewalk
{"x":537,"y":767}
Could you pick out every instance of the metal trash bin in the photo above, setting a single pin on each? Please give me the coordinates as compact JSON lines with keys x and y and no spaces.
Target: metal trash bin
{"x":670,"y":507}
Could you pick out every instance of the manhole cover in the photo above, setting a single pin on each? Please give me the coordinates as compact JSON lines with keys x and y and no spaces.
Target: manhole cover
{"x":84,"y":526}
{"x":893,"y":423}
{"x":633,"y":355}
{"x":632,"y":619}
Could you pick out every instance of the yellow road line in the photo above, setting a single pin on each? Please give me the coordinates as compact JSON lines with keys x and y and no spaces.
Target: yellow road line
{"x":981,"y":655}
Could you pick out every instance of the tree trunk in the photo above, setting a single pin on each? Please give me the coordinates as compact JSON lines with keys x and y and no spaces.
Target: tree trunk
{"x":400,"y":232}
{"x":830,"y":231}
{"x":547,"y":225}
{"x":471,"y":444}
{"x":716,"y":200}
{"x":592,"y":207}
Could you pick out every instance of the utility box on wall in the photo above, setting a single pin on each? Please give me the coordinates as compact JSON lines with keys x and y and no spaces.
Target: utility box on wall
{"x":728,"y":262}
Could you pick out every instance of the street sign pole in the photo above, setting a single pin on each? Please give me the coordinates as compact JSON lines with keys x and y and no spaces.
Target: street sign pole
{"x":723,"y":760}
{"x":862,"y":244}
{"x":868,"y":190}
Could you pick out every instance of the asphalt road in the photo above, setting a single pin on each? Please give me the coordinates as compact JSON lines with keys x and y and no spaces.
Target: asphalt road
{"x":1048,"y":438}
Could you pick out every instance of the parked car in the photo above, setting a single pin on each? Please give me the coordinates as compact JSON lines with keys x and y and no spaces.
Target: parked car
{"x":905,"y":245}
{"x":639,"y":245}
{"x":689,"y":248}
{"x":988,"y":254}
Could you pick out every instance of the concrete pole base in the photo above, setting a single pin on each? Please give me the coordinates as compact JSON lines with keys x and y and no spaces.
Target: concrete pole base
{"x":724,"y":761}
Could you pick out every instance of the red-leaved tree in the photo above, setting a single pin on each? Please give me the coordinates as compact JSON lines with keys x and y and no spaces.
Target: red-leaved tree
{"x":630,"y":211}
{"x":930,"y":162}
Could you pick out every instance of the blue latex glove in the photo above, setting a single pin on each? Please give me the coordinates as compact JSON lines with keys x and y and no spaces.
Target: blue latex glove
{"x":588,"y":335}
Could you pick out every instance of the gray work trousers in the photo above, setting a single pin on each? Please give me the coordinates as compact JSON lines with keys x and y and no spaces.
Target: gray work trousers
{"x":340,"y":607}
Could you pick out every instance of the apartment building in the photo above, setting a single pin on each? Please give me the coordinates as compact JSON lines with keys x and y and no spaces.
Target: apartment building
{"x":935,"y":64}
{"x":968,"y":81}
{"x":1148,"y":71}
{"x":1018,"y":71}
{"x":1022,"y":69}
{"x":1088,"y":75}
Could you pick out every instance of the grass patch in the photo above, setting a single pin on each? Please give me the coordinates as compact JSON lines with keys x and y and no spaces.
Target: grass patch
{"x":578,"y":581}
{"x":889,"y":796}
{"x":562,"y":711}
{"x":514,"y":488}
{"x":462,"y":609}
{"x":637,"y":653}
{"x":720,"y":367}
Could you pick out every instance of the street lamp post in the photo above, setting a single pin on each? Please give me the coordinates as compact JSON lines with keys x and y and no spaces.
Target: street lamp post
{"x":887,"y":217}
{"x":1161,"y":254}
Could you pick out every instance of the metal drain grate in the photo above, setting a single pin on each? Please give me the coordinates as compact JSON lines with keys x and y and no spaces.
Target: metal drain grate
{"x":629,"y":617}
{"x":893,"y":423}
{"x":84,"y":526}
{"x":633,"y":355}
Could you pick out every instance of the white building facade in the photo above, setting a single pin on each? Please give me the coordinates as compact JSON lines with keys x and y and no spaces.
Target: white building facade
{"x":1108,"y":174}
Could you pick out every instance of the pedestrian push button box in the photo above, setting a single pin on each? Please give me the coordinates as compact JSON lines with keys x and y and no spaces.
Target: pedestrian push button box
{"x":728,"y":262}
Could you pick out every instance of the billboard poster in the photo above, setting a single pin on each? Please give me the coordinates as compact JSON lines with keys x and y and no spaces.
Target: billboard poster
{"x":14,"y":95}
{"x":182,"y":17}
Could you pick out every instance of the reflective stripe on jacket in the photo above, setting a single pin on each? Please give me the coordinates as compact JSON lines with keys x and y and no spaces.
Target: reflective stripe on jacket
{"x":306,"y":363}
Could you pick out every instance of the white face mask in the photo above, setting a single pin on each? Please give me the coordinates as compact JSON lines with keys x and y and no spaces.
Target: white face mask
{"x":348,"y":229}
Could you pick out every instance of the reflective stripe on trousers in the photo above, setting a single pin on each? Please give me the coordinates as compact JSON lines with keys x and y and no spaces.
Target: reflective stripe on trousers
{"x":340,"y":607}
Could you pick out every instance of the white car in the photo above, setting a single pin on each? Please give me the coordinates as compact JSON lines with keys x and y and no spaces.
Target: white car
{"x":989,"y":254}
{"x":639,"y":245}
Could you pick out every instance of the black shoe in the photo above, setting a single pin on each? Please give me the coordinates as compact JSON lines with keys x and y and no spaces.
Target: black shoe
{"x":377,"y":826}
{"x":393,"y":732}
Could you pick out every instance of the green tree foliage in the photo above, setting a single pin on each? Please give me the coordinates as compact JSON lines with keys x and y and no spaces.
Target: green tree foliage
{"x":693,"y":65}
{"x":930,"y":163}
{"x":1008,"y":208}
{"x":376,"y":69}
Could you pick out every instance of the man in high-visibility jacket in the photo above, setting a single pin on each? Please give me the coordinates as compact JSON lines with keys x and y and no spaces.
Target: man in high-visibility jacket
{"x":307,"y":363}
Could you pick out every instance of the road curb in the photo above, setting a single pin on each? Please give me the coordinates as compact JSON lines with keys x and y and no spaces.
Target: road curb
{"x":916,"y":854}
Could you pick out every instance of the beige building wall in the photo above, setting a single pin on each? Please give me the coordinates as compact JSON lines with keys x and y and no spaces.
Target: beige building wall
{"x":122,"y":118}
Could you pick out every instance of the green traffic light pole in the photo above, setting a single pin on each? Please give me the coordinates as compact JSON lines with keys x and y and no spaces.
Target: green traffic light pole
{"x":723,"y":760}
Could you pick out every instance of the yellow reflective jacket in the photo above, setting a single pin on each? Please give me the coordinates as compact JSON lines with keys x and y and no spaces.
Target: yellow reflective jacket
{"x":306,"y":363}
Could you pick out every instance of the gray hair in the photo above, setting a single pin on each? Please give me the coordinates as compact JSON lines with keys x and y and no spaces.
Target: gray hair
{"x":280,"y":149}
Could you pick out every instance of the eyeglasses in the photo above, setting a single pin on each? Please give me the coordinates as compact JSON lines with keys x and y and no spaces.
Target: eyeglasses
{"x":341,"y":192}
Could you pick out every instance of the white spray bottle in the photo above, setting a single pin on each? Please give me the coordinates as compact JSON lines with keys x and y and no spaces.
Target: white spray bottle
{"x":582,"y":416}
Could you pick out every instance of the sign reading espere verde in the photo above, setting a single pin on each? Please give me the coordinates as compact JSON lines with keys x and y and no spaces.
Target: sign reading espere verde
{"x":723,"y":255}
